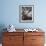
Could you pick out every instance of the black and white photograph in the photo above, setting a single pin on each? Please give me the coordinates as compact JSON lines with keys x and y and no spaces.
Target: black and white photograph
{"x":26,"y":13}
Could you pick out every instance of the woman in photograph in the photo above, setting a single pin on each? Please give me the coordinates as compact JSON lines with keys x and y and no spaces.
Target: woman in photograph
{"x":26,"y":13}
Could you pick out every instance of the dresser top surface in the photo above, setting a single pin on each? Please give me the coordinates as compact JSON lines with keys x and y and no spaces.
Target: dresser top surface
{"x":22,"y":30}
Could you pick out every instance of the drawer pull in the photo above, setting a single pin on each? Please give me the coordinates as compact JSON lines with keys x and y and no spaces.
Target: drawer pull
{"x":10,"y":38}
{"x":33,"y":39}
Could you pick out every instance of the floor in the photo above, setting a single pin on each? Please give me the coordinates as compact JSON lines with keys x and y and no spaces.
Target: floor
{"x":0,"y":44}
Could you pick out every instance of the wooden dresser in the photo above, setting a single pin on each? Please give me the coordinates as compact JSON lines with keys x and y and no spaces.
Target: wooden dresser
{"x":23,"y":39}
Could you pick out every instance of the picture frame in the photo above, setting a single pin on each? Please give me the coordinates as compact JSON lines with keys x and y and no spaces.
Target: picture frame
{"x":26,"y":13}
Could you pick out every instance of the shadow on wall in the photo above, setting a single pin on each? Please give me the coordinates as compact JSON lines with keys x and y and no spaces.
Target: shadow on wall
{"x":2,"y":26}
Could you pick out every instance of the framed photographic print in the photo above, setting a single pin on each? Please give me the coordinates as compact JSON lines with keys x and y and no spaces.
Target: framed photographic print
{"x":26,"y":13}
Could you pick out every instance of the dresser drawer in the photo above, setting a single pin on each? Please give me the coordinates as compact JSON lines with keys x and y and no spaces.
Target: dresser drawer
{"x":13,"y":44}
{"x":34,"y":33}
{"x":37,"y":39}
{"x":37,"y":44}
{"x":12,"y":39}
{"x":13,"y":33}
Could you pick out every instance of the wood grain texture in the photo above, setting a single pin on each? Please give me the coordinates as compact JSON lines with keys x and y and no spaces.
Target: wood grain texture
{"x":23,"y":39}
{"x":34,"y":39}
{"x":13,"y":39}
